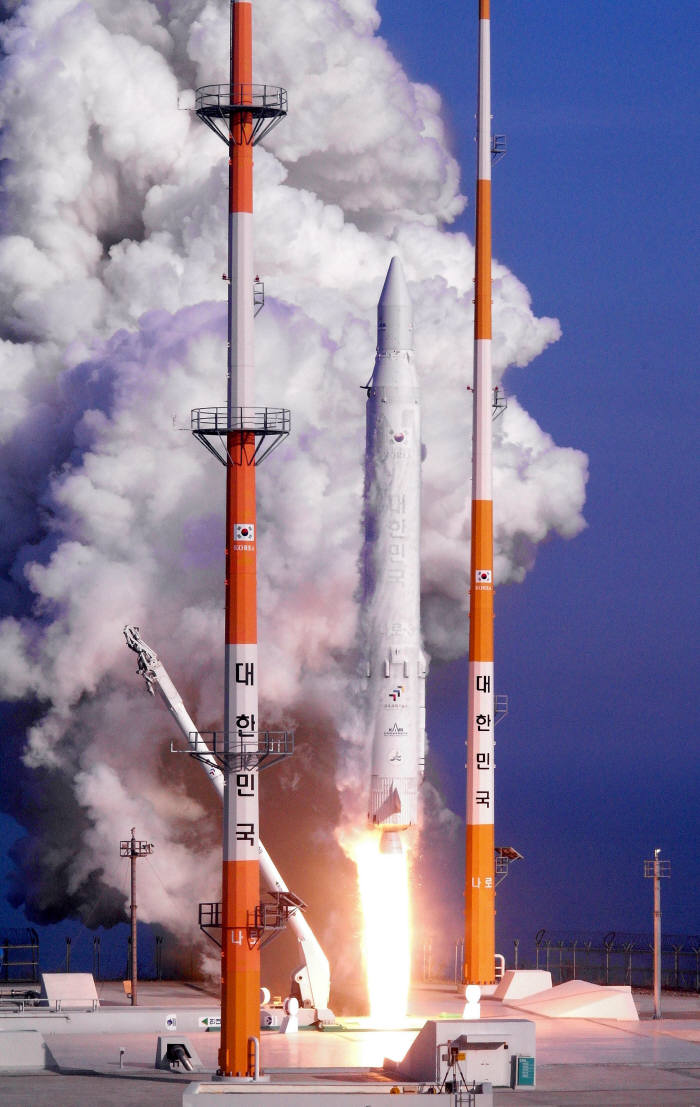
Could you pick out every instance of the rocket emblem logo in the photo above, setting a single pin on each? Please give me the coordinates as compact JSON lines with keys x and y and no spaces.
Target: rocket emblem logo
{"x":483,"y":576}
{"x":395,"y":693}
{"x":395,"y":731}
{"x":243,"y":532}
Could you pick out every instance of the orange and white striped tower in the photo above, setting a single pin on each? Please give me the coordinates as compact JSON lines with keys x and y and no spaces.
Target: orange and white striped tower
{"x":240,"y":435}
{"x":240,"y":959}
{"x":479,"y":941}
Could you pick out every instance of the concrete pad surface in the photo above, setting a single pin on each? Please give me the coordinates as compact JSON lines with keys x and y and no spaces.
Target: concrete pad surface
{"x":607,"y":1086}
{"x":70,"y":1090}
{"x":580,"y":1062}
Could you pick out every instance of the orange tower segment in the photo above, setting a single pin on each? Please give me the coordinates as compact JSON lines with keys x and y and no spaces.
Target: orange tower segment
{"x":240,"y":435}
{"x":479,"y":939}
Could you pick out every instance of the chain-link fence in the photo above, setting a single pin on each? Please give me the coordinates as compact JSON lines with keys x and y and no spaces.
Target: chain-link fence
{"x":106,"y":955}
{"x":618,"y":957}
{"x":615,"y":957}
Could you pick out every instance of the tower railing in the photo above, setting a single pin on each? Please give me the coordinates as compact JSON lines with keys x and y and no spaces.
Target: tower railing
{"x":218,"y":105}
{"x":212,"y":426}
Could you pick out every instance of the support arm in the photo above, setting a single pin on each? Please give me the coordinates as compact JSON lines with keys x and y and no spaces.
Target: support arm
{"x":312,"y":978}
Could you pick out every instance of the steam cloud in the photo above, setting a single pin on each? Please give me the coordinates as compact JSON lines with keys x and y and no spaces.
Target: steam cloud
{"x":113,"y":328}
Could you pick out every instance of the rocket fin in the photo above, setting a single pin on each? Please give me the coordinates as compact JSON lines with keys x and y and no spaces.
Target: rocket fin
{"x":390,"y":806}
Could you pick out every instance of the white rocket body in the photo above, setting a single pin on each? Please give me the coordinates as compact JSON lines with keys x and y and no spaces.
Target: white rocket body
{"x":396,"y":665}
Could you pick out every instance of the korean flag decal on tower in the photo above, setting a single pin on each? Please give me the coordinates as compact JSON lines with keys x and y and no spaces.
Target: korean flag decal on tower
{"x":243,"y":532}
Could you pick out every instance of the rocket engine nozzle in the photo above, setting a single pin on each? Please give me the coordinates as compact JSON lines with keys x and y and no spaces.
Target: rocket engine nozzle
{"x":391,"y":842}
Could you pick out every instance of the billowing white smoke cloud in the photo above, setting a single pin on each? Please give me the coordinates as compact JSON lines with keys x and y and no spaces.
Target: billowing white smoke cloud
{"x":113,"y":327}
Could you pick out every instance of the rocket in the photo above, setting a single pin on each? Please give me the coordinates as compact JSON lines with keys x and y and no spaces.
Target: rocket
{"x":396,"y":665}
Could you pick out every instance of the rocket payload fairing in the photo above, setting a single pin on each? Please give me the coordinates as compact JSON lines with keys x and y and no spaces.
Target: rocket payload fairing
{"x":396,"y":665}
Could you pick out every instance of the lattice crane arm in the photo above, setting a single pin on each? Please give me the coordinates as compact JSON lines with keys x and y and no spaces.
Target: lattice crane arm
{"x":312,"y":978}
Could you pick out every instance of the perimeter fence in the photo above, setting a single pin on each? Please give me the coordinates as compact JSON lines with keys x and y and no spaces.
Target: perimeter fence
{"x":615,"y":957}
{"x":107,"y":955}
{"x":619,"y":957}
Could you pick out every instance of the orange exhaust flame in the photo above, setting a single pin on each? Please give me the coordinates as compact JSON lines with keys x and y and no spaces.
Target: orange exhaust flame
{"x":383,"y":880}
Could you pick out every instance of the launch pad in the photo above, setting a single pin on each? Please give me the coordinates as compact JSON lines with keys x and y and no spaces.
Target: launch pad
{"x":647,"y":1062}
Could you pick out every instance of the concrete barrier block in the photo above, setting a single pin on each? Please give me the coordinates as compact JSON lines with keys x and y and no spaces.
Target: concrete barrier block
{"x":175,"y":1053}
{"x":24,"y":1049}
{"x":579,"y":999}
{"x":69,"y":991}
{"x":517,"y":983}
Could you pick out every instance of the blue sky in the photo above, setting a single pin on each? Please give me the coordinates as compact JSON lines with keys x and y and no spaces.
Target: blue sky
{"x":595,"y":210}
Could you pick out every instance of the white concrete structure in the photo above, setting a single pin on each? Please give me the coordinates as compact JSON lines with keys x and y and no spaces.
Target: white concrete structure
{"x":112,"y":1020}
{"x":297,"y":1095}
{"x":578,"y":999}
{"x":176,"y":1053}
{"x":428,"y":1057}
{"x":517,"y":983}
{"x":22,"y":1050}
{"x":69,"y":991}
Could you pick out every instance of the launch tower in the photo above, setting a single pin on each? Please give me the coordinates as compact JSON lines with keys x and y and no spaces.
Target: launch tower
{"x":479,"y":939}
{"x":241,"y":435}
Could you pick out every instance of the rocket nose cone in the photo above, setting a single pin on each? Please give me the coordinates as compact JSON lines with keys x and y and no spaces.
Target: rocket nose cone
{"x":395,"y":312}
{"x":395,"y":291}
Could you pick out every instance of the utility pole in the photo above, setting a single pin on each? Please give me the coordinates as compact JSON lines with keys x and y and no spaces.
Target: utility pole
{"x":655,"y":870}
{"x":134,"y":849}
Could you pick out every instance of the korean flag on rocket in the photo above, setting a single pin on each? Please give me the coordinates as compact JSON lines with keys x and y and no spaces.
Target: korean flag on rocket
{"x":483,"y":576}
{"x":243,"y":532}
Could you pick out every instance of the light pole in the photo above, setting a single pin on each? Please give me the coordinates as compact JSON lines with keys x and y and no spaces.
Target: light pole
{"x":655,"y":870}
{"x":133,"y":849}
